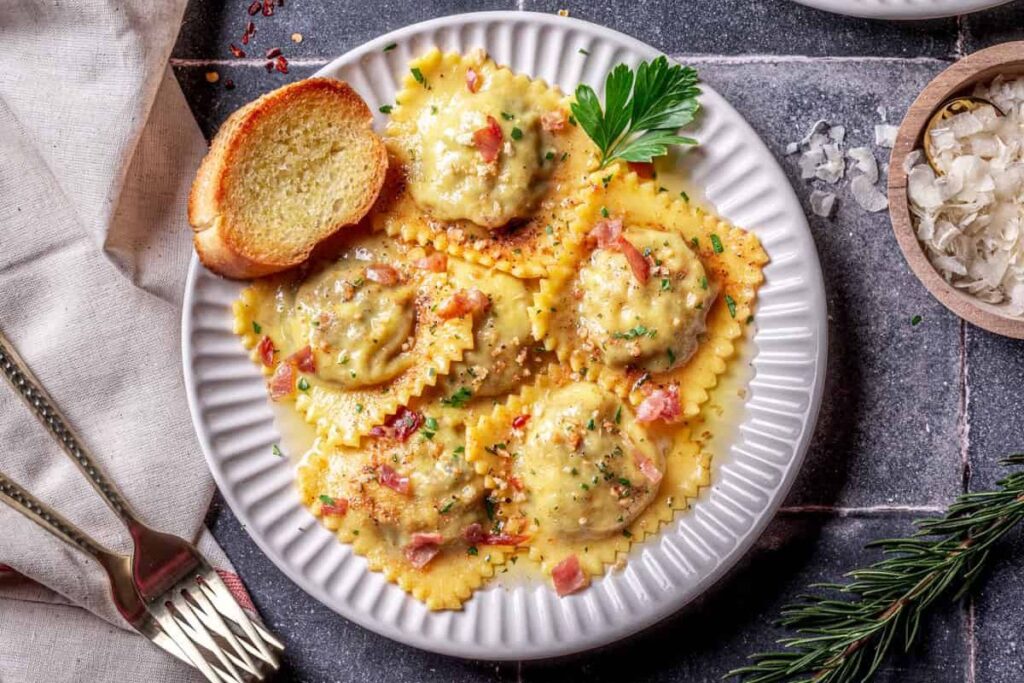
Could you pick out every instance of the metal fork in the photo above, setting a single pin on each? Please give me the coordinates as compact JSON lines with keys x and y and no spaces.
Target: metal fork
{"x":179,"y":590}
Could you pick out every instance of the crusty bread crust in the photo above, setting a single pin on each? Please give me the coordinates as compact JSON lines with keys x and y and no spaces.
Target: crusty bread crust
{"x":227,"y":249}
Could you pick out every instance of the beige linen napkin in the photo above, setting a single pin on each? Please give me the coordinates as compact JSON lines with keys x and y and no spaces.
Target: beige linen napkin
{"x":97,"y":150}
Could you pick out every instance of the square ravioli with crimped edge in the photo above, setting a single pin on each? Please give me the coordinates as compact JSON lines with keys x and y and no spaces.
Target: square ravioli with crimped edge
{"x":407,"y":500}
{"x":490,"y":161}
{"x":575,"y":472}
{"x":651,"y":300}
{"x":352,"y":339}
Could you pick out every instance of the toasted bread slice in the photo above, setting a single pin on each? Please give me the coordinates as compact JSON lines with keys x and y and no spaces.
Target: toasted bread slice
{"x":285,"y":172}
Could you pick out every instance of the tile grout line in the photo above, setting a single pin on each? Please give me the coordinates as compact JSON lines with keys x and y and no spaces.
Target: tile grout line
{"x":866,"y":511}
{"x":963,"y":423}
{"x":961,"y":36}
{"x":693,"y":59}
{"x":970,"y":675}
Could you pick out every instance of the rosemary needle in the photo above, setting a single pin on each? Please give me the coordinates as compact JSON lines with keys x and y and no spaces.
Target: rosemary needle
{"x":846,"y":636}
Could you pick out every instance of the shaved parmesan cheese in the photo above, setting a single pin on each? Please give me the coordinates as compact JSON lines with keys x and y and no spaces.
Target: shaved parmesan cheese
{"x":867,"y":196}
{"x":865,"y":160}
{"x":823,"y":203}
{"x":885,"y":135}
{"x":970,"y":216}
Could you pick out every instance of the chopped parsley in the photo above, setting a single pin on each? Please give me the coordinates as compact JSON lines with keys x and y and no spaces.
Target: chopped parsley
{"x":550,"y":155}
{"x":256,"y":327}
{"x":625,"y":482}
{"x":695,"y":242}
{"x":390,"y":46}
{"x":429,"y":428}
{"x":591,"y":425}
{"x":459,"y":450}
{"x":326,"y":500}
{"x":303,"y":384}
{"x":636,"y":333}
{"x":607,"y":179}
{"x":685,"y":196}
{"x":276,"y":450}
{"x":627,"y":533}
{"x":604,"y":211}
{"x":489,"y":508}
{"x":583,"y":52}
{"x":472,"y":550}
{"x":516,"y":133}
{"x":916,"y":320}
{"x":418,"y":75}
{"x":618,"y":414}
{"x":507,"y":116}
{"x":704,"y":282}
{"x":731,"y":303}
{"x":359,"y":407}
{"x":666,"y":284}
{"x":447,"y":506}
{"x":458,"y":399}
{"x":716,"y":243}
{"x":385,"y":109}
{"x":671,"y":357}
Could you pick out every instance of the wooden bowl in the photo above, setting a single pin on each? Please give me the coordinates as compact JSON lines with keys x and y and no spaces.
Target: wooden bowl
{"x":958,"y":79}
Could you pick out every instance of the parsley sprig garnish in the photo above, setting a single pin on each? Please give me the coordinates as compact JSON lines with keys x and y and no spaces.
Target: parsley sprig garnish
{"x":642,"y":111}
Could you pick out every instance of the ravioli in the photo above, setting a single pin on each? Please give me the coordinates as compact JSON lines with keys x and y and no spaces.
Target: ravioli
{"x":491,"y":174}
{"x":575,"y":471}
{"x":405,"y":499}
{"x":504,"y":353}
{"x":369,"y":322}
{"x":699,"y":266}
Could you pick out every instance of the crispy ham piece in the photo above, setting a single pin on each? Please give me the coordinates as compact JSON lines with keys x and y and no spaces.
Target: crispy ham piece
{"x":303,"y":359}
{"x":400,"y":426}
{"x":472,"y":80}
{"x":336,"y":509}
{"x":568,"y":577}
{"x":643,"y":169}
{"x":554,"y":121}
{"x":475,"y":535}
{"x":266,"y":351}
{"x":422,"y":548}
{"x":387,"y":476}
{"x":488,"y":140}
{"x":462,"y":303}
{"x":435,"y":263}
{"x":661,"y":404}
{"x":648,"y":468}
{"x":383,"y":274}
{"x":282,"y":382}
{"x":607,"y":234}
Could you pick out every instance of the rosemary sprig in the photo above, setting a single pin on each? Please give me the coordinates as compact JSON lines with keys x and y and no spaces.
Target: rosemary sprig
{"x":843,"y":640}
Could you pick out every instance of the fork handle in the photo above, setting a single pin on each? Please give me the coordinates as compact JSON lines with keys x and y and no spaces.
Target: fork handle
{"x":31,"y":391}
{"x":48,"y":518}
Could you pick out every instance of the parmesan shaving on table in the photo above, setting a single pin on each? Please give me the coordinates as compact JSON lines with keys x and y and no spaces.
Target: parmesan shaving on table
{"x":970,"y":217}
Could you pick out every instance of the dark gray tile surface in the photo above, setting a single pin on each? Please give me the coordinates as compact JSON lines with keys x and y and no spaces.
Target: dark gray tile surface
{"x":911,"y":414}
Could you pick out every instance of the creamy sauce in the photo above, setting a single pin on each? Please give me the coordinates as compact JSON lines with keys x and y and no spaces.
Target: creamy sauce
{"x":580,"y":464}
{"x":652,"y":325}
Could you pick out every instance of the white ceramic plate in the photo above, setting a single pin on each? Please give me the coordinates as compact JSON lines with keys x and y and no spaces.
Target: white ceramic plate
{"x":753,"y":467}
{"x":902,"y":9}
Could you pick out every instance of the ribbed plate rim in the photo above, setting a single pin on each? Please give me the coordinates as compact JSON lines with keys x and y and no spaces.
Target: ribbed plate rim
{"x":762,"y":161}
{"x":902,"y":9}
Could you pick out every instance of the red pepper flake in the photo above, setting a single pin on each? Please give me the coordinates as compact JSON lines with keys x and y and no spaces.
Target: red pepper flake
{"x":273,"y":52}
{"x":236,"y":51}
{"x":229,"y":84}
{"x":268,"y":8}
{"x":250,"y":28}
{"x":281,"y":64}
{"x":255,"y":7}
{"x":269,"y":65}
{"x":519,"y":421}
{"x":245,"y":39}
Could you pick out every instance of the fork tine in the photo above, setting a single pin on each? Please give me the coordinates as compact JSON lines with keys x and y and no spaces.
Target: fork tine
{"x":213,"y":621}
{"x":173,"y":630}
{"x":194,"y":635}
{"x":227,"y":606}
{"x":200,"y":635}
{"x":165,"y":642}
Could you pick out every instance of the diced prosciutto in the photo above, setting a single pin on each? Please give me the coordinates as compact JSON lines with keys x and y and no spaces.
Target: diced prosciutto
{"x":554,"y":121}
{"x":607,"y":234}
{"x":282,"y":382}
{"x":472,"y":80}
{"x":519,"y":421}
{"x":422,"y":548}
{"x":643,"y":169}
{"x":400,"y":426}
{"x":648,"y":468}
{"x":266,"y":351}
{"x":303,"y":359}
{"x":435,"y":263}
{"x":387,"y":476}
{"x":462,"y":303}
{"x":488,"y":140}
{"x":383,"y":274}
{"x":661,"y":404}
{"x":336,"y":509}
{"x":567,"y":576}
{"x":476,"y":535}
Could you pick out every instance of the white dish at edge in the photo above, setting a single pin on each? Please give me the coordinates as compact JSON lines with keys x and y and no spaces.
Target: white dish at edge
{"x":751,"y":473}
{"x":902,"y":9}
